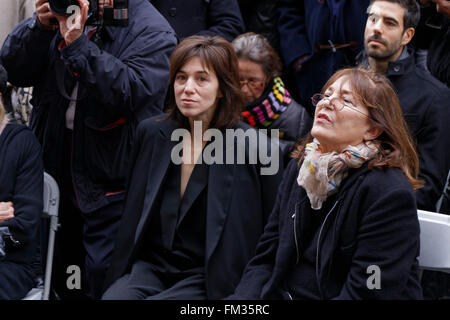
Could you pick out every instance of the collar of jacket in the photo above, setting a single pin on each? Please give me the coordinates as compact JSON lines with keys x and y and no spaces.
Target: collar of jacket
{"x":395,"y":68}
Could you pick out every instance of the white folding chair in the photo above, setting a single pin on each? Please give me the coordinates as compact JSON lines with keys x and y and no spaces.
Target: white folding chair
{"x":50,"y":211}
{"x":434,"y":241}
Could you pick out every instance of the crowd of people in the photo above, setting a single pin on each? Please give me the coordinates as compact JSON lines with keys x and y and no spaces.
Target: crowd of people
{"x":225,"y":149}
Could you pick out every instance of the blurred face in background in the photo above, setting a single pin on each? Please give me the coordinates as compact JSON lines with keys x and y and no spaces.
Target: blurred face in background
{"x":253,"y":79}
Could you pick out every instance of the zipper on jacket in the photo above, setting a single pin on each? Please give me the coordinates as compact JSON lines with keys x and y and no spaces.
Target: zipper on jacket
{"x":318,"y":245}
{"x":289,"y":295}
{"x":294,"y":216}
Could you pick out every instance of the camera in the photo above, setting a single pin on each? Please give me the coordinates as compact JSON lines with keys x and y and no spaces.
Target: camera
{"x":116,"y":16}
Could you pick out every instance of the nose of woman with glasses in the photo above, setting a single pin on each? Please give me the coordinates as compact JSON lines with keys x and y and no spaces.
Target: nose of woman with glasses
{"x":268,"y":103}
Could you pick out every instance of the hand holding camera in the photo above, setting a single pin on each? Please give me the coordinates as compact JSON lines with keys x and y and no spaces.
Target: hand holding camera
{"x":44,"y":13}
{"x":72,"y":27}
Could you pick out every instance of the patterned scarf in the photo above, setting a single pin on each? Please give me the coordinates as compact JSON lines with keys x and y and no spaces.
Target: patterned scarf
{"x":266,"y":109}
{"x":322,"y":173}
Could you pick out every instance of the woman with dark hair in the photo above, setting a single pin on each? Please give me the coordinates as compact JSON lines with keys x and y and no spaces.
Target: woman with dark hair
{"x":21,"y":176}
{"x":190,"y":225}
{"x":268,"y":103}
{"x":345,"y":222}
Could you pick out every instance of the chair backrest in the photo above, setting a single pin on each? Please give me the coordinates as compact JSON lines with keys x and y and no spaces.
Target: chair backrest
{"x":434,"y":241}
{"x":51,"y":209}
{"x":51,"y":196}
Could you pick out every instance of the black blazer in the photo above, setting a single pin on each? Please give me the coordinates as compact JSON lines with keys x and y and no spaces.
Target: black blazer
{"x":238,"y":205}
{"x":373,"y":221}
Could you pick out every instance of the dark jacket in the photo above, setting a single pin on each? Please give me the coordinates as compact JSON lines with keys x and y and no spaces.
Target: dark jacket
{"x":305,"y":24}
{"x":21,"y":176}
{"x":261,"y":16}
{"x":239,"y":202}
{"x":205,"y":17}
{"x":438,"y":59}
{"x":293,"y":124}
{"x":122,"y":77}
{"x":425,"y":105}
{"x":373,"y":221}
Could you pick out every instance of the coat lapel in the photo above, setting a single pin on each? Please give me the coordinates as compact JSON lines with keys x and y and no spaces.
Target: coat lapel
{"x":159,"y":164}
{"x":220,"y":187}
{"x":196,"y":184}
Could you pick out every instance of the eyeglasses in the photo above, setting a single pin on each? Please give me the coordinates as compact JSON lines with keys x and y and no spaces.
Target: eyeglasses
{"x":256,"y":84}
{"x":337,"y":103}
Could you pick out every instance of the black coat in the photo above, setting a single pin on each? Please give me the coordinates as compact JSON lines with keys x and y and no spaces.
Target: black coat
{"x":21,"y":176}
{"x":373,"y":221}
{"x":425,"y":103}
{"x":261,"y":16}
{"x":303,"y":25}
{"x":294,"y":124}
{"x":206,"y":17}
{"x":122,"y":74}
{"x":239,"y":202}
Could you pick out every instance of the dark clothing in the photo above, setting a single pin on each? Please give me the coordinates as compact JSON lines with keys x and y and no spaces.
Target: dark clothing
{"x":302,"y":281}
{"x":17,"y":280}
{"x":438,"y":60}
{"x":261,"y":16}
{"x":304,"y":25}
{"x":143,"y":282}
{"x":239,"y":200}
{"x":276,"y":109}
{"x":122,"y":75}
{"x":21,"y":176}
{"x":203,"y":17}
{"x":293,"y":124}
{"x":372,"y":220}
{"x":173,"y":249}
{"x":425,"y":105}
{"x":175,"y":238}
{"x":433,"y":37}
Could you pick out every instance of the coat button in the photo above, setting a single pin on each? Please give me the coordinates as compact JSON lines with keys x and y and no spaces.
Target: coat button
{"x":396,"y":68}
{"x":172,"y":12}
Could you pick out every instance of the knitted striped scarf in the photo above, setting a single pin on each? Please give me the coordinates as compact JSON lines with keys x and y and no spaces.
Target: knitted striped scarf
{"x":262,"y":112}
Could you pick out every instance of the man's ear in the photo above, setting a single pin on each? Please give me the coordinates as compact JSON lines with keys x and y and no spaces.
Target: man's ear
{"x":372,"y":133}
{"x":408,"y":34}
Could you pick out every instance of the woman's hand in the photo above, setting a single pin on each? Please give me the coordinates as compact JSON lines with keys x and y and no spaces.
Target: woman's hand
{"x":6,"y":211}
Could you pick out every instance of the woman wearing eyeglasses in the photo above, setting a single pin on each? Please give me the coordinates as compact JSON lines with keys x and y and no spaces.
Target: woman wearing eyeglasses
{"x":345,"y":222}
{"x":268,"y":104}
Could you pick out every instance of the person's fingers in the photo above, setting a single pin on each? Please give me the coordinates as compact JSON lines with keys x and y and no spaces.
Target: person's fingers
{"x":40,"y":2}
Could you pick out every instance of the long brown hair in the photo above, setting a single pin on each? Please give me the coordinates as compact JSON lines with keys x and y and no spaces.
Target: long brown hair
{"x":395,"y":143}
{"x":218,"y":55}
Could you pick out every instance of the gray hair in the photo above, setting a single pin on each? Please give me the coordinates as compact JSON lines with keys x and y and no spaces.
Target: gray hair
{"x":256,"y":48}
